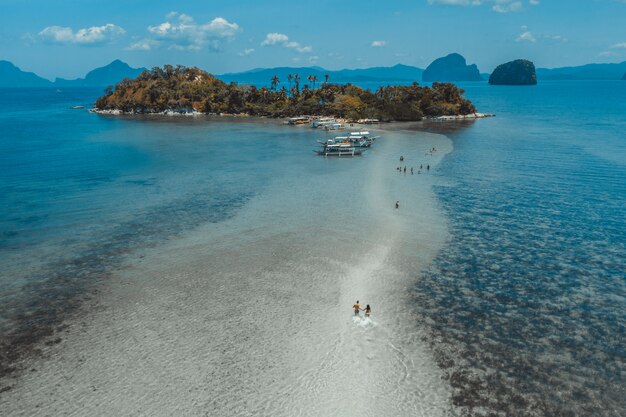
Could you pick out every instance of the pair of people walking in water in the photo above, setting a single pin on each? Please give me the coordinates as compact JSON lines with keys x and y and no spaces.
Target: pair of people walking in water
{"x":357,"y":309}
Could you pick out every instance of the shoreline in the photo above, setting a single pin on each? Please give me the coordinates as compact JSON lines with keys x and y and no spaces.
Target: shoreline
{"x":127,"y":294}
{"x":194,"y":113}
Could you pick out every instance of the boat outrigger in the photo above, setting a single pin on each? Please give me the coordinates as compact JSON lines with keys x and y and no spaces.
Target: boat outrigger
{"x":352,"y":144}
{"x":339,"y":150}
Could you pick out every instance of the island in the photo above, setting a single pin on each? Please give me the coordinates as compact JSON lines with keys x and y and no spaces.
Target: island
{"x":11,"y":76}
{"x":190,"y":90}
{"x":452,"y":67}
{"x":518,"y":72}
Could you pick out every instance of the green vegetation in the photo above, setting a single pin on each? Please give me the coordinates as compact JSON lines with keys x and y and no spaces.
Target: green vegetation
{"x":183,"y":89}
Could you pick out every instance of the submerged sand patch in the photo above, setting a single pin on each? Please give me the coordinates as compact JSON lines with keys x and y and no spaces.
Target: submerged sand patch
{"x":251,"y":316}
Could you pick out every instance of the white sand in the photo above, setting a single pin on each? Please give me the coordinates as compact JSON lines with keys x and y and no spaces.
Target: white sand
{"x":252,"y":316}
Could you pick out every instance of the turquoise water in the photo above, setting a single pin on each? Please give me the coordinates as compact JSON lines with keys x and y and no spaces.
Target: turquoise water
{"x":523,"y":307}
{"x":527,"y":300}
{"x":79,"y":192}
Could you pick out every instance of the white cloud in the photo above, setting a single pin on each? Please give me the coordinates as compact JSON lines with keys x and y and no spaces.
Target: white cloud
{"x":182,"y":32}
{"x":304,"y":49}
{"x":619,"y":45}
{"x":313,"y":59}
{"x":526,"y":37}
{"x":378,"y":44}
{"x":95,"y":35}
{"x":280,"y":39}
{"x":506,"y":6}
{"x":533,"y":2}
{"x":499,"y":6}
{"x":29,"y":39}
{"x":274,"y":39}
{"x":221,"y":27}
{"x":143,"y":45}
{"x":607,"y":54}
{"x":246,"y":52}
{"x":335,"y":55}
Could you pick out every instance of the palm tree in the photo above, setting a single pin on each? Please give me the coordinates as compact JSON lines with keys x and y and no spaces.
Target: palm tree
{"x":275,"y":82}
{"x":296,"y":80}
{"x":326,"y":77}
{"x":314,"y":79}
{"x":289,"y":78}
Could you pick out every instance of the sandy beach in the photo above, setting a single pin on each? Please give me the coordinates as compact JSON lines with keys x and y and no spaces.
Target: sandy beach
{"x":252,"y":315}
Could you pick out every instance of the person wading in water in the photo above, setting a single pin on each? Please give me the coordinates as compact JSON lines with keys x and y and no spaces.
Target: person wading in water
{"x":357,"y":308}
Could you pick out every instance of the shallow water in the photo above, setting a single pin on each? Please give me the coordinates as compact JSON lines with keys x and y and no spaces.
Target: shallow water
{"x":526,"y":301}
{"x":225,"y":257}
{"x":206,"y":266}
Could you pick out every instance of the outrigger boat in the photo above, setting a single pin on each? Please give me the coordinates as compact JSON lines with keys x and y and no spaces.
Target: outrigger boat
{"x":343,"y":151}
{"x":323,"y":122}
{"x":333,"y":126}
{"x":301,"y":120}
{"x":338,"y":149}
{"x":362,"y":134}
{"x":348,"y":141}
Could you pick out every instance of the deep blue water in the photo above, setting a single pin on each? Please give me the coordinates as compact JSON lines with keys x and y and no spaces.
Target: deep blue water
{"x":528,"y":300}
{"x":525,"y":305}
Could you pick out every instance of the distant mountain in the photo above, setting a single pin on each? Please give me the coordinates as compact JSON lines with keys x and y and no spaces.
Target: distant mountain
{"x":452,"y":67}
{"x":584,"y":72}
{"x":398,"y":72}
{"x":103,"y":76}
{"x":262,"y":76}
{"x":518,"y":72}
{"x":12,"y":76}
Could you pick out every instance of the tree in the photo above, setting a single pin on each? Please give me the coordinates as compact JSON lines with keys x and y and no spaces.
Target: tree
{"x":275,"y":82}
{"x":296,"y":81}
{"x":182,"y":89}
{"x":326,"y":77}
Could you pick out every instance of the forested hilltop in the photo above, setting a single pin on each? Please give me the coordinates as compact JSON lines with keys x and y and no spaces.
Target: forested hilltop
{"x":184,"y":89}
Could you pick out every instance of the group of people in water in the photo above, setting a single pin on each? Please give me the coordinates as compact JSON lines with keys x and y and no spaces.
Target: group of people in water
{"x":400,"y":169}
{"x":357,"y":309}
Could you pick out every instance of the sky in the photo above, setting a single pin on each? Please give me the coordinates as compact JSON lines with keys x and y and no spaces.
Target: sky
{"x":68,"y":38}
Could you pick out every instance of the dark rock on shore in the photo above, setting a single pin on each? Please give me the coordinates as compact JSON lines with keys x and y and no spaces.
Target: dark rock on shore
{"x":451,"y":68}
{"x":518,"y":72}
